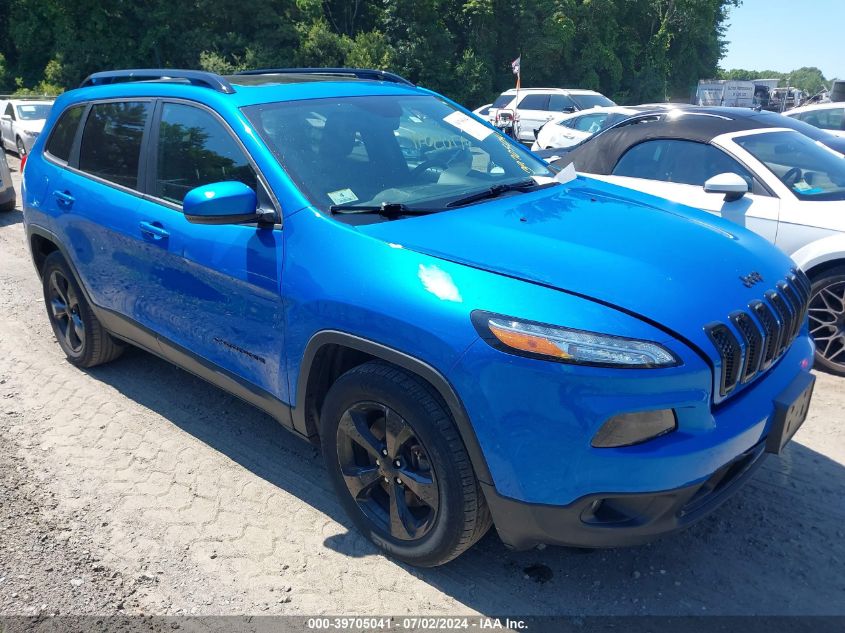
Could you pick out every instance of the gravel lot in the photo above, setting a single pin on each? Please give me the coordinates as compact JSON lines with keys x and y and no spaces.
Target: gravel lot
{"x":138,"y":488}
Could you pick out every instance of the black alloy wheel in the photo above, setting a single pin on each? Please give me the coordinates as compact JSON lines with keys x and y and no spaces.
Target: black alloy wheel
{"x":398,"y":465}
{"x":387,"y":471}
{"x":63,"y":303}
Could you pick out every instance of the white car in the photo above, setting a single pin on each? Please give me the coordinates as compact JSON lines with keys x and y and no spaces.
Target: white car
{"x":21,"y":121}
{"x":538,"y":105}
{"x":756,"y":169}
{"x":826,"y":116}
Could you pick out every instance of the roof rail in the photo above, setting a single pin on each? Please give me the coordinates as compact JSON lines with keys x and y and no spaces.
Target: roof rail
{"x":195,"y":77}
{"x":360,"y":73}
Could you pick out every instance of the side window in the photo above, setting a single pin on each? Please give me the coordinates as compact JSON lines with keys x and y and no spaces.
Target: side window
{"x":590,"y":123}
{"x":561,"y":103}
{"x":111,"y":141}
{"x":195,"y":149}
{"x":534,"y":101}
{"x":682,"y":162}
{"x":64,"y":131}
{"x":10,"y":111}
{"x":502,"y":100}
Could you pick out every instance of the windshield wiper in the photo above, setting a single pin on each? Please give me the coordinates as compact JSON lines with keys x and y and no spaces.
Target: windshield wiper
{"x":497,"y":190}
{"x":387,"y":209}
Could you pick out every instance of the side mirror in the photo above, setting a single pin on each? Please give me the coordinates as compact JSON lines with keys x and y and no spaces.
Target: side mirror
{"x":229,"y":202}
{"x":5,"y":117}
{"x":732,"y":185}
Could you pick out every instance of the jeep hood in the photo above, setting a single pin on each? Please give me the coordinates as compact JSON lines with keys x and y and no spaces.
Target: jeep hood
{"x":675,"y":266}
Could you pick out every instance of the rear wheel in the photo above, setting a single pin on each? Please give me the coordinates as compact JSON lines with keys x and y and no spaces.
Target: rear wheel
{"x":399,"y":467}
{"x":80,"y":334}
{"x":827,"y":320}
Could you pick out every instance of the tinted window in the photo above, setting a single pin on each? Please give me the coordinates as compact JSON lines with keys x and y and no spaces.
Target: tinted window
{"x":534,"y":102}
{"x":591,"y":101}
{"x":10,"y":111}
{"x":562,"y":103}
{"x":61,"y":139}
{"x":111,"y":141}
{"x":501,"y":101}
{"x":195,"y":149}
{"x":682,"y":162}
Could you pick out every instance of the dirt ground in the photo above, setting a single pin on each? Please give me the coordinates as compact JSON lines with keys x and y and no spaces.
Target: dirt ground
{"x":138,"y":488}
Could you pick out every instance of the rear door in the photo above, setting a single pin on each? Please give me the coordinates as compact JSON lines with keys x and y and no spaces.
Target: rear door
{"x":98,"y":199}
{"x":533,"y":112}
{"x":677,"y":170}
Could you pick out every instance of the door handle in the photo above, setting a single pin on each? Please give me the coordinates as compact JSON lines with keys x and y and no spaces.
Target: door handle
{"x":154,"y":230}
{"x":63,"y":198}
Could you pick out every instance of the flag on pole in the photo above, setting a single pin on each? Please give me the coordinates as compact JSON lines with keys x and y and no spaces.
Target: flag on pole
{"x":516,"y":66}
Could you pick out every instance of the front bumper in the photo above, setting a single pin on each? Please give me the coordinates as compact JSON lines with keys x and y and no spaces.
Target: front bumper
{"x":606,"y":520}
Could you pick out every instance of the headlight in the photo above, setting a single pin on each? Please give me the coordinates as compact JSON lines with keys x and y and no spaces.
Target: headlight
{"x":550,"y":342}
{"x":30,"y":133}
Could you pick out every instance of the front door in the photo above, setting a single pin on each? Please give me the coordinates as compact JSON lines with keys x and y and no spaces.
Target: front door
{"x":223,"y":298}
{"x":677,"y":170}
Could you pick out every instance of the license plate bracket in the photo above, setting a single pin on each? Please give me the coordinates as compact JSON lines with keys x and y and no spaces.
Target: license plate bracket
{"x":791,"y":408}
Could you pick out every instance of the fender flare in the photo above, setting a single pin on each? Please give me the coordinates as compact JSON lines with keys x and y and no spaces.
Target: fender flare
{"x":405,"y":361}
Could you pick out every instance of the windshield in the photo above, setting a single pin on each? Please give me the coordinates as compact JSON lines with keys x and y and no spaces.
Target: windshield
{"x":809,"y":169}
{"x":34,"y":111}
{"x":591,"y":101}
{"x":412,"y":150}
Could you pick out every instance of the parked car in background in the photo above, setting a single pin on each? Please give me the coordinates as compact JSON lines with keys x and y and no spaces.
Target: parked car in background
{"x":754,"y":169}
{"x":538,"y":105}
{"x":471,"y":340}
{"x":825,"y":116}
{"x":7,"y":190}
{"x":21,"y":121}
{"x":567,"y":130}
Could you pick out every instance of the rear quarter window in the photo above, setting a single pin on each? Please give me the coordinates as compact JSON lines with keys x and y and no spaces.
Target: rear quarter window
{"x":61,"y":139}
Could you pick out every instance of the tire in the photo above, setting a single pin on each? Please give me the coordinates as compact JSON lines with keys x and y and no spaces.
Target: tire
{"x":8,"y":206}
{"x":20,"y":147}
{"x":827,"y":320}
{"x":444,"y":509}
{"x":80,"y":335}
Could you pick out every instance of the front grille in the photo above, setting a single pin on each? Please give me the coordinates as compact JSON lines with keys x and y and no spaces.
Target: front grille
{"x":759,"y":334}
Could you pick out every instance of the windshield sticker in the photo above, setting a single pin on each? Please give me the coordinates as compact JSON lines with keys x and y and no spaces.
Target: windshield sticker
{"x":342,"y":196}
{"x":469,"y":125}
{"x":26,"y":108}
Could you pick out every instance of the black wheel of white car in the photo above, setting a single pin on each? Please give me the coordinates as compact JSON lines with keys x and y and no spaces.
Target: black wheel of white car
{"x":20,"y":147}
{"x":827,"y":321}
{"x":399,"y":467}
{"x":80,"y":334}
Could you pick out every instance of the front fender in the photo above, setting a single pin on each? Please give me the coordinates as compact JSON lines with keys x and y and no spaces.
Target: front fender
{"x":822,"y":251}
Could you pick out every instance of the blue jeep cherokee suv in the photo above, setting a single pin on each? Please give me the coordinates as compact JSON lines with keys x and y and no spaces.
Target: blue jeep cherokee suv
{"x":470,"y":338}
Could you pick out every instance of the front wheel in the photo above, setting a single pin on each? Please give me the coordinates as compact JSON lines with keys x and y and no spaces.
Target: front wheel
{"x":399,"y":467}
{"x":827,"y":320}
{"x":20,"y":147}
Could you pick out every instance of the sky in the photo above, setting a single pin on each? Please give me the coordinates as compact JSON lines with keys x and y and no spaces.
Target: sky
{"x":784,"y":35}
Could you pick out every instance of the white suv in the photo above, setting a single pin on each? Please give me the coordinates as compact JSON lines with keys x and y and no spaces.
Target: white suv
{"x":538,"y":105}
{"x":826,"y":116}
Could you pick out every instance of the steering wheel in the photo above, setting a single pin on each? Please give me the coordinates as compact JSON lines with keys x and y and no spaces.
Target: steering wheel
{"x":438,"y":161}
{"x":791,"y":176}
